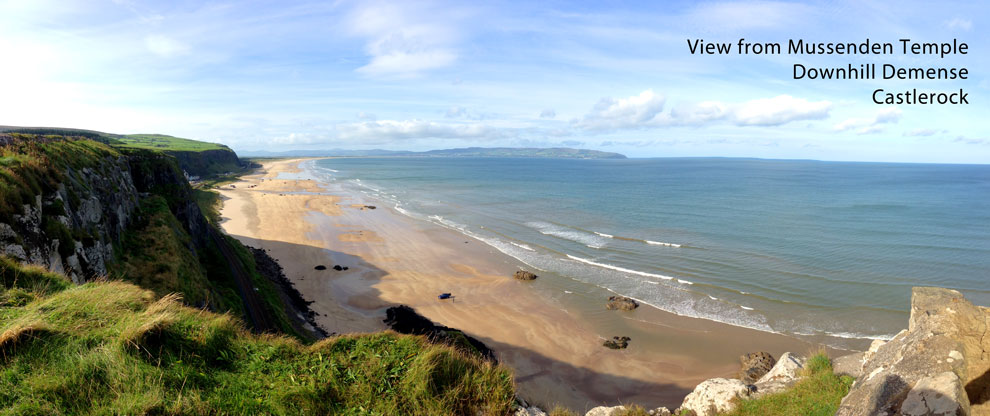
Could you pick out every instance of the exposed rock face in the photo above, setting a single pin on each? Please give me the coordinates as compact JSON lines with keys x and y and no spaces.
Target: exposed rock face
{"x":524,"y":275}
{"x":755,"y":365}
{"x":405,"y":320}
{"x":621,"y":303}
{"x":715,"y":395}
{"x":937,"y":367}
{"x":604,"y":410}
{"x":72,"y":228}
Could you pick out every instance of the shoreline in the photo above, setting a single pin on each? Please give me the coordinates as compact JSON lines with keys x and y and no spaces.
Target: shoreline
{"x":553,"y":344}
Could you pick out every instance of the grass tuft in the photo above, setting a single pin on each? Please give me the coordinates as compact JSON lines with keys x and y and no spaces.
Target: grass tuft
{"x":817,"y":393}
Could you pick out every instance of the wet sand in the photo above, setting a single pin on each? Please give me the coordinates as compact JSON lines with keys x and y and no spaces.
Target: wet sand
{"x":552,"y":341}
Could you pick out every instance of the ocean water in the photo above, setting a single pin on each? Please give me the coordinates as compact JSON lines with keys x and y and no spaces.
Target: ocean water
{"x":808,"y":248}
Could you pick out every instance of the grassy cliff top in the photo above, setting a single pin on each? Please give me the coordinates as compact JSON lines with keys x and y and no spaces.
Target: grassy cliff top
{"x":141,"y":141}
{"x":166,"y":143}
{"x":114,"y":348}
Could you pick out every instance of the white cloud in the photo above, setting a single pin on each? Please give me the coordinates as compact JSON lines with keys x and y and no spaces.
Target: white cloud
{"x":779,"y":110}
{"x":390,"y":130}
{"x":923,"y":132}
{"x":402,"y":40}
{"x":959,"y":23}
{"x":164,"y":46}
{"x":870,"y":125}
{"x":624,"y":113}
{"x":699,"y":113}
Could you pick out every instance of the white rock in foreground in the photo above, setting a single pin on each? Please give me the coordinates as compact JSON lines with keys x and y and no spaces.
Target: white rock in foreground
{"x":715,"y":395}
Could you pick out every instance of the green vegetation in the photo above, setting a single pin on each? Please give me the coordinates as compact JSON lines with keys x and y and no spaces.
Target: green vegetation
{"x":162,"y":142}
{"x":817,"y":393}
{"x":155,"y":255}
{"x":31,"y":165}
{"x":113,"y":348}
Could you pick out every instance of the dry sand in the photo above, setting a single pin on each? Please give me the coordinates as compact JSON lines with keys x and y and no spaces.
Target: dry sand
{"x":554,"y":346}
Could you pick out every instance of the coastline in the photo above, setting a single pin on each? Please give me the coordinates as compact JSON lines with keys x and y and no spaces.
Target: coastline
{"x":554,"y":345}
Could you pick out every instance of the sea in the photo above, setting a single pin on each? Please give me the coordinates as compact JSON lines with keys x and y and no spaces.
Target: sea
{"x":827,"y":250}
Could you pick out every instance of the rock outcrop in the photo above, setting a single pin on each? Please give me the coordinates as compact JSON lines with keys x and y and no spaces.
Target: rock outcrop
{"x":755,"y":365}
{"x":716,"y":395}
{"x":617,"y":410}
{"x":940,"y":365}
{"x":72,"y":225}
{"x":524,"y":275}
{"x":621,"y":303}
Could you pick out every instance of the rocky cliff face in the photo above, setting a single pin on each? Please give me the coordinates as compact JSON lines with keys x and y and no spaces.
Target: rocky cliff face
{"x":73,"y":227}
{"x":71,"y":221}
{"x":940,"y":365}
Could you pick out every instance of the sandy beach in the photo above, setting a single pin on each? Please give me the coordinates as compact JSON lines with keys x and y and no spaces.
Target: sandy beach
{"x":553,"y":344}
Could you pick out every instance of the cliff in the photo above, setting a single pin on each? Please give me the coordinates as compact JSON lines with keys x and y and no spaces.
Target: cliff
{"x":87,"y":209}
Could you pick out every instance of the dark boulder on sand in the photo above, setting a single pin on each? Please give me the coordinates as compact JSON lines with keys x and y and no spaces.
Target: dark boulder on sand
{"x":617,"y":343}
{"x":320,"y":267}
{"x":621,"y":303}
{"x":337,"y":267}
{"x":524,"y":275}
{"x":755,"y":365}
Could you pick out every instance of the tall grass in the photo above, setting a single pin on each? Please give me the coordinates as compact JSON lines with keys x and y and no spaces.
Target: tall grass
{"x":114,"y":348}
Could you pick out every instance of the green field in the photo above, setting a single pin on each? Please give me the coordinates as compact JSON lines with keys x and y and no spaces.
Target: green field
{"x":166,"y":143}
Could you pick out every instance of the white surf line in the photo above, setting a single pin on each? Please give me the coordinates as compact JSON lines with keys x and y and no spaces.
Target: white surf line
{"x":661,"y":243}
{"x":621,"y":269}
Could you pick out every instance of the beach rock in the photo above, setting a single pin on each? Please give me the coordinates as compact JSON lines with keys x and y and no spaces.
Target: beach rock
{"x":370,"y":206}
{"x":604,"y":410}
{"x":755,"y":365}
{"x":941,"y":357}
{"x":338,"y":267}
{"x":524,"y":275}
{"x":617,"y":343}
{"x":529,"y":411}
{"x":660,"y":411}
{"x":715,"y":395}
{"x":621,"y":303}
{"x":320,"y":267}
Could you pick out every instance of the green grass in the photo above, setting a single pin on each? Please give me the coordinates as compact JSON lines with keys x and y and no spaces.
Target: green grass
{"x":817,"y":393}
{"x":154,"y":254}
{"x":35,"y":164}
{"x":114,"y":348}
{"x":166,"y":143}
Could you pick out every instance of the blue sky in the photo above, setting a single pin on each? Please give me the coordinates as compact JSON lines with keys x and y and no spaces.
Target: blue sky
{"x":424,"y":75}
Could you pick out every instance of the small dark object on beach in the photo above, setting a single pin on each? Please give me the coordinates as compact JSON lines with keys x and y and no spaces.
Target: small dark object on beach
{"x":617,"y":343}
{"x":345,"y":267}
{"x":320,"y":267}
{"x":524,"y":275}
{"x":621,"y":303}
{"x":337,"y":267}
{"x":444,"y":296}
{"x":370,"y":206}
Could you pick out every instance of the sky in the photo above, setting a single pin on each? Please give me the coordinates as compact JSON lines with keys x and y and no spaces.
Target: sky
{"x":421,"y":75}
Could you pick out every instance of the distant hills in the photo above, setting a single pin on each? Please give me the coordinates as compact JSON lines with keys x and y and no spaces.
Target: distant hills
{"x":550,"y":152}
